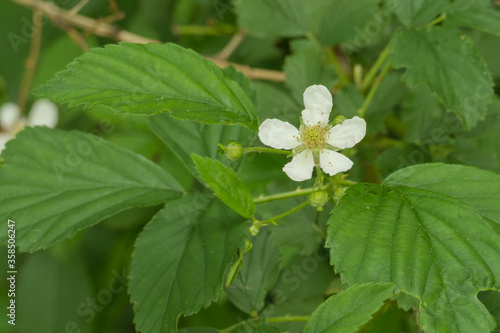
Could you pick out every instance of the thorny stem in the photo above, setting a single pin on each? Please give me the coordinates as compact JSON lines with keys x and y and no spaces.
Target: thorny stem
{"x":373,"y":90}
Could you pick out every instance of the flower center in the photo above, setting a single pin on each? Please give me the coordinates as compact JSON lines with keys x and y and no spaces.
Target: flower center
{"x":314,"y":137}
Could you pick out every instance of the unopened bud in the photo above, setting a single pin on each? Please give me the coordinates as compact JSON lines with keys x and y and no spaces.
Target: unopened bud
{"x":233,"y":150}
{"x":319,"y":199}
{"x":338,"y":120}
{"x":253,"y":230}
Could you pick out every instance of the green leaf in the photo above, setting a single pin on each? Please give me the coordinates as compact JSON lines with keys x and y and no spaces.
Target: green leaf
{"x":331,"y":21}
{"x":187,"y":137}
{"x":56,"y":183}
{"x":479,"y":147}
{"x":306,"y":67}
{"x":255,"y":326}
{"x":417,"y":12}
{"x":347,"y":101}
{"x":258,"y":275}
{"x":226,"y":185}
{"x":476,"y":14}
{"x":422,"y":116}
{"x":434,"y":231}
{"x":336,"y":21}
{"x":269,"y":19}
{"x":180,"y":258}
{"x":447,"y":63}
{"x":488,"y":47}
{"x":395,"y":158}
{"x":350,"y":309}
{"x":198,"y":330}
{"x":52,"y":293}
{"x":147,"y":79}
{"x":274,"y":101}
{"x":491,"y":299}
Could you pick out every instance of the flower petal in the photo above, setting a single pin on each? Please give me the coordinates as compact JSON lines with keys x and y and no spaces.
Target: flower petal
{"x":9,"y":116}
{"x":301,"y":166}
{"x":332,"y":162}
{"x":314,"y":117}
{"x":43,"y":113}
{"x":3,"y":140}
{"x":347,"y":134}
{"x":279,"y":134}
{"x":318,"y":98}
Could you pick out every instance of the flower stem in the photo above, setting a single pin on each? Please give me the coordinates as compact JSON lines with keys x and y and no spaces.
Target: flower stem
{"x":265,"y":150}
{"x":367,"y":81}
{"x":332,"y":56}
{"x":279,"y":217}
{"x":286,"y":195}
{"x":287,"y":319}
{"x":345,"y":182}
{"x":373,"y":90}
{"x":438,"y":20}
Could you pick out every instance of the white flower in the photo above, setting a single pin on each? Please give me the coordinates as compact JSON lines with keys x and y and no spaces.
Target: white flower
{"x":43,"y":113}
{"x":316,"y":142}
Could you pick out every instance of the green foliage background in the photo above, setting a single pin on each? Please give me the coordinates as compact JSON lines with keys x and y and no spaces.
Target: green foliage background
{"x":419,"y":238}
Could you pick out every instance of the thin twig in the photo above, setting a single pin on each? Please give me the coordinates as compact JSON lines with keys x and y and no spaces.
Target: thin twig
{"x":103,"y":29}
{"x":77,"y":38}
{"x":233,"y":44}
{"x":31,"y":61}
{"x":78,"y":7}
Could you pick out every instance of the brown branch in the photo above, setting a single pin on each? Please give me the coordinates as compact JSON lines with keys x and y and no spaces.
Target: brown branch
{"x":31,"y":61}
{"x":78,"y":7}
{"x":63,"y":17}
{"x":233,"y":44}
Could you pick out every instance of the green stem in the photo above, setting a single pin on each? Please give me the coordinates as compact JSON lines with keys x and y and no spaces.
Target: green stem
{"x":438,"y":20}
{"x":279,"y":217}
{"x":367,"y":81}
{"x":373,"y":90}
{"x":287,"y":319}
{"x":286,"y":195}
{"x":265,"y":150}
{"x":204,"y":30}
{"x":344,"y":80}
{"x":345,"y":182}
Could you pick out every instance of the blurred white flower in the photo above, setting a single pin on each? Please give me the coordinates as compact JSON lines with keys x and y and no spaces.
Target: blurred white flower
{"x":43,"y":113}
{"x":316,"y":142}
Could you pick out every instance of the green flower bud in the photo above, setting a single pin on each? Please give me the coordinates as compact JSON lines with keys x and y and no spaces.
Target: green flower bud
{"x":253,"y":230}
{"x":338,"y":120}
{"x":233,"y":150}
{"x":319,"y":199}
